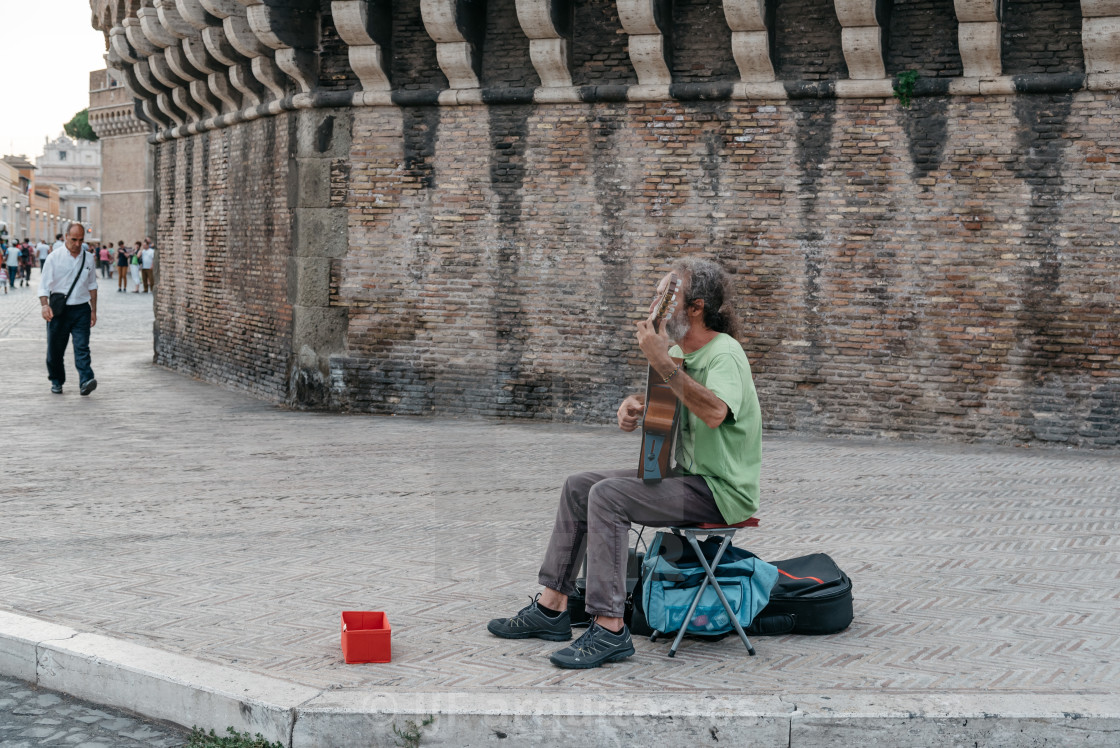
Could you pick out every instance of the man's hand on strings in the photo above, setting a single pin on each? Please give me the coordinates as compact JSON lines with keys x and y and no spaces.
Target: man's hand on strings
{"x":655,"y":345}
{"x":630,"y":413}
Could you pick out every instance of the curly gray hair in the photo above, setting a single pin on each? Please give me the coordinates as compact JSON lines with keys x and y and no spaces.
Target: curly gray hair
{"x":707,"y":281}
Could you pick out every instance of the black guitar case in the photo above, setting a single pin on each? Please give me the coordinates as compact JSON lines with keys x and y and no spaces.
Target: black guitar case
{"x":812,"y":596}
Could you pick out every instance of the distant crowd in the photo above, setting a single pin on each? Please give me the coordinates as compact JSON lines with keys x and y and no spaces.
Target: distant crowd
{"x":133,"y":264}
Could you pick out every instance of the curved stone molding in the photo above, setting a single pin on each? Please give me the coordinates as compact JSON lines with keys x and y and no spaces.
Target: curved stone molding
{"x":284,"y":24}
{"x":172,"y":19}
{"x":250,"y":88}
{"x":978,"y":36}
{"x":546,"y":24}
{"x":196,"y":79}
{"x":241,"y":37}
{"x":186,"y":103}
{"x":180,"y":65}
{"x":201,"y":93}
{"x":195,"y":65}
{"x":1100,"y":39}
{"x":366,"y":26}
{"x":199,"y":56}
{"x":138,"y":39}
{"x":750,"y":39}
{"x":217,"y":44}
{"x":269,"y":74}
{"x":456,"y":54}
{"x":301,"y":66}
{"x":118,"y":43}
{"x":220,"y":86}
{"x":647,"y":41}
{"x":862,"y":37}
{"x":291,"y":28}
{"x":195,"y":14}
{"x":222,"y":8}
{"x":153,"y":28}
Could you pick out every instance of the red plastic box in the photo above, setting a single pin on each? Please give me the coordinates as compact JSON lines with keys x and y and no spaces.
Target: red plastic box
{"x":365,"y":636}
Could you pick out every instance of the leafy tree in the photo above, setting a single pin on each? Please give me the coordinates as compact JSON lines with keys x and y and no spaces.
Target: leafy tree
{"x":78,"y":127}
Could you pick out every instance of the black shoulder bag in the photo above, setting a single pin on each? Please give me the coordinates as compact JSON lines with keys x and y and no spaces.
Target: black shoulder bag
{"x":58,"y":300}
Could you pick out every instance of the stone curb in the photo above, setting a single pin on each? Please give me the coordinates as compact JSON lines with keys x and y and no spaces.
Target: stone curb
{"x":189,"y":692}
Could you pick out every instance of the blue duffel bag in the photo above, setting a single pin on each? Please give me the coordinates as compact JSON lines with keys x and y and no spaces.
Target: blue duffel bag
{"x":671,"y":574}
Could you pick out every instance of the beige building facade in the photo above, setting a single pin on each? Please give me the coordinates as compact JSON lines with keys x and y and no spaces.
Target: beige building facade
{"x":29,"y":209}
{"x":127,"y":197}
{"x":68,"y":175}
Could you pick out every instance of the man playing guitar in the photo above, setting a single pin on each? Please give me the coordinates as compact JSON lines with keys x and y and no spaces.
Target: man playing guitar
{"x":718,"y":456}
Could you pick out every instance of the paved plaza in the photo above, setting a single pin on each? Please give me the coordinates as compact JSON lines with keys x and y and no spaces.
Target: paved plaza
{"x":169,"y":513}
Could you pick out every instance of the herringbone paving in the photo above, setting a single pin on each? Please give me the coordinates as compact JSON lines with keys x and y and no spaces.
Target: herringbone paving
{"x":186,"y":517}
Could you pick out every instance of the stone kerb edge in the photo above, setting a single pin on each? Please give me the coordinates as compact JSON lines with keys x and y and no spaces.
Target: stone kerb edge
{"x":146,"y":681}
{"x":186,"y":691}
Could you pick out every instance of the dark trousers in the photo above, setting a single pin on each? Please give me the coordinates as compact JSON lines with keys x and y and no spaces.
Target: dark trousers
{"x":596,"y":510}
{"x":13,"y":271}
{"x":74,"y":322}
{"x":149,"y":282}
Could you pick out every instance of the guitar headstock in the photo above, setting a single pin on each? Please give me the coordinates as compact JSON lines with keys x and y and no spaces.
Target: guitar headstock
{"x":667,"y":303}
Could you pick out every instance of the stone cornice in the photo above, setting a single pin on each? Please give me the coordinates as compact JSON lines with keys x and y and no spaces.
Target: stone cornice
{"x":195,"y":65}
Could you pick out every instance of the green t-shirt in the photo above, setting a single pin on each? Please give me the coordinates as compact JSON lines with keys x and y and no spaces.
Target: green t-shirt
{"x":728,"y":457}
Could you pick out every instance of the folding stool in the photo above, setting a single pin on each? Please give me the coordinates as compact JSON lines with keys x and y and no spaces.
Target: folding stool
{"x":727,"y":533}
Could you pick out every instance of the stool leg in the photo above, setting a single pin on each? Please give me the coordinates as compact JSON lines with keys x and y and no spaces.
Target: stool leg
{"x":719,"y":592}
{"x":709,"y":577}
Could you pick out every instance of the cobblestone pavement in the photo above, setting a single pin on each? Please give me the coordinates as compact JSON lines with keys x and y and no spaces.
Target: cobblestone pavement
{"x":31,"y":717}
{"x":207,"y":523}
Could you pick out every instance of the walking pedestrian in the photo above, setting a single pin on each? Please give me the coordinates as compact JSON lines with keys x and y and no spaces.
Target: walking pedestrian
{"x":70,"y":281}
{"x":11,"y":260}
{"x":106,"y":265}
{"x":42,"y":249}
{"x":122,"y":268}
{"x":25,"y":264}
{"x":4,"y":277}
{"x":134,"y":268}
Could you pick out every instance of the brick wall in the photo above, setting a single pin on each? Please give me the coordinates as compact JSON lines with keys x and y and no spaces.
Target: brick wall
{"x":334,"y":66}
{"x":922,"y":36}
{"x":1042,"y":36}
{"x":700,"y":43}
{"x":505,"y":57}
{"x":222,"y":311}
{"x":413,"y":64}
{"x":807,"y":41}
{"x":599,"y":50}
{"x":911,"y":272}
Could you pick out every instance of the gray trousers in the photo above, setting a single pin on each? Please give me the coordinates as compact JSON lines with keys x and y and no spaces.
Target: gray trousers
{"x":596,"y":510}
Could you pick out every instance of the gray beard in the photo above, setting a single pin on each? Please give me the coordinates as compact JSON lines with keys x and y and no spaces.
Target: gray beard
{"x":676,"y":327}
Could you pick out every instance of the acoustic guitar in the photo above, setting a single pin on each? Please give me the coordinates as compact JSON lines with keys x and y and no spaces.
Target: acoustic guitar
{"x":659,"y":421}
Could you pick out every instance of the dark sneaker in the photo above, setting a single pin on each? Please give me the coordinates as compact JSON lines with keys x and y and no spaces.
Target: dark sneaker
{"x":531,"y":622}
{"x":595,"y":647}
{"x":88,"y":387}
{"x":56,"y":388}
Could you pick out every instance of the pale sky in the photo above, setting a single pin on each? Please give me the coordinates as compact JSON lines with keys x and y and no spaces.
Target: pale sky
{"x":49,"y":50}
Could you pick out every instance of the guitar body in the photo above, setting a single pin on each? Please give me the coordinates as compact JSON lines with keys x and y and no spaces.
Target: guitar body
{"x":659,"y":427}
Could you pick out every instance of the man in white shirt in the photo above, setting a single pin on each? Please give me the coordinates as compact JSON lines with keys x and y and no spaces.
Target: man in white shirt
{"x":147,"y":259}
{"x":58,"y":243}
{"x":11,"y":259}
{"x":43,"y":249}
{"x":72,"y":272}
